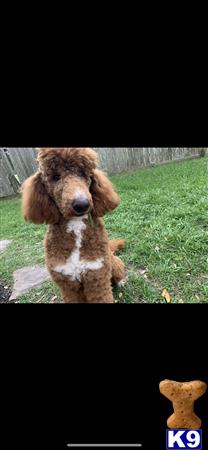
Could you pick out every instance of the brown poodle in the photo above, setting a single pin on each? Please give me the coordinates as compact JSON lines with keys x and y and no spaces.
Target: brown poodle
{"x":71,"y":195}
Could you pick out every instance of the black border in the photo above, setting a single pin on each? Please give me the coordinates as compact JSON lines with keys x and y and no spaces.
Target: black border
{"x":91,"y":372}
{"x":104,"y":121}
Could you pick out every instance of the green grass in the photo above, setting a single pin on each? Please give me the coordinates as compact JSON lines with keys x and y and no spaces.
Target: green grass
{"x":164,"y":218}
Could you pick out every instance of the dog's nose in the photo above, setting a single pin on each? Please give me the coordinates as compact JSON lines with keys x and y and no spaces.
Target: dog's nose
{"x":80,"y":205}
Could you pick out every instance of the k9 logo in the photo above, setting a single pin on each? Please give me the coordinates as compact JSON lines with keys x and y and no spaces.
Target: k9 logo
{"x":186,"y":439}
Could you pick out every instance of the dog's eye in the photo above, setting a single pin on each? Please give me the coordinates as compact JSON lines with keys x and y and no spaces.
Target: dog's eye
{"x":56,"y":177}
{"x":82,"y":173}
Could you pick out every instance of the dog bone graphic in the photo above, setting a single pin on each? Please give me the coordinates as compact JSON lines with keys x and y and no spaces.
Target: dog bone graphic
{"x":183,"y":396}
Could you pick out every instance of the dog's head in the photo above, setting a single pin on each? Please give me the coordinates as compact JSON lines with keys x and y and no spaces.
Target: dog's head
{"x":67,"y":184}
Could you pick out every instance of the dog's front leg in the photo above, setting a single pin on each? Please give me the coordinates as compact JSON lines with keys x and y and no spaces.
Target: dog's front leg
{"x":73,"y":297}
{"x":71,"y":291}
{"x":97,"y":287}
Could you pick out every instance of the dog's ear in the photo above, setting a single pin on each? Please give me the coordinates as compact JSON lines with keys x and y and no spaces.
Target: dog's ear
{"x":37,"y":206}
{"x":105,"y":199}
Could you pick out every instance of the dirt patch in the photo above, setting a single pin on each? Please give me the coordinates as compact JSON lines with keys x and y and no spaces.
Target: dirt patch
{"x":5,"y":293}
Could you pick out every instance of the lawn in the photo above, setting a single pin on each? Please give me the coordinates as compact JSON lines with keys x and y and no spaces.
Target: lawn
{"x":164,"y":218}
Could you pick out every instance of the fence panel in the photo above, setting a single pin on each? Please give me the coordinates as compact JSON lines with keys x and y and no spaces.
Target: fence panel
{"x":22,"y":162}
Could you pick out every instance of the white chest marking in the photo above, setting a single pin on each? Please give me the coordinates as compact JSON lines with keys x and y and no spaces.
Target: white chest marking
{"x":74,"y":266}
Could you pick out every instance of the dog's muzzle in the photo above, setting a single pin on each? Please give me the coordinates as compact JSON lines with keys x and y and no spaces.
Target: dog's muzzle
{"x":81,"y":206}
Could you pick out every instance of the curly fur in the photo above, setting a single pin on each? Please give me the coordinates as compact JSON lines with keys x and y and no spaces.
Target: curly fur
{"x":79,"y":256}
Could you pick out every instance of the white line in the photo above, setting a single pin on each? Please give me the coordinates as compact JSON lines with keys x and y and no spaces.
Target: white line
{"x":104,"y":445}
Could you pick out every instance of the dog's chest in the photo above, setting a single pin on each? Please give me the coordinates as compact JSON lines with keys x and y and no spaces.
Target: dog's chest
{"x":76,"y":266}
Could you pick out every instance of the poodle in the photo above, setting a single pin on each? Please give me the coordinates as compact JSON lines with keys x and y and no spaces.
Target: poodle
{"x":71,"y":195}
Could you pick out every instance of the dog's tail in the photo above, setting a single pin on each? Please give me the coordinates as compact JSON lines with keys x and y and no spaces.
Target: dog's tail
{"x":116,"y":244}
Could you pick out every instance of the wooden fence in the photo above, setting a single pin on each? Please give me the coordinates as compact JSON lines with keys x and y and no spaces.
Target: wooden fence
{"x":16,"y":164}
{"x":118,"y":160}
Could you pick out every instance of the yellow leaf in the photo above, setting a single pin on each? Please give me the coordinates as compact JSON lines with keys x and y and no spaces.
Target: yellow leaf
{"x":166,"y":295}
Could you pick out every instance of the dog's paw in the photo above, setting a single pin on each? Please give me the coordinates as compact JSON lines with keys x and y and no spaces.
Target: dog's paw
{"x":122,"y":283}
